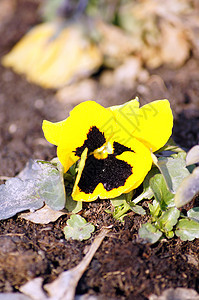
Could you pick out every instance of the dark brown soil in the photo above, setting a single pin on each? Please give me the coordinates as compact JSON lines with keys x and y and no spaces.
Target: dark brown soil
{"x":122,"y":268}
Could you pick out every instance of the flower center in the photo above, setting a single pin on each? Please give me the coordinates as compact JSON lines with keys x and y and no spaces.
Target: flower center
{"x":104,"y":151}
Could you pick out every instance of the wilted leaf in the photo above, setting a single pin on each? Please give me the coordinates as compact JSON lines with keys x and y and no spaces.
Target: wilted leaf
{"x":38,"y":183}
{"x":188,"y":189}
{"x":149,"y":233}
{"x":193,"y":214}
{"x":43,"y":215}
{"x":78,"y":229}
{"x":164,"y":197}
{"x":193,"y":156}
{"x":187,"y":230}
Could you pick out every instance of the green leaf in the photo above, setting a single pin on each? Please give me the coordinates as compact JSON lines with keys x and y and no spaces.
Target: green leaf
{"x":39,"y":183}
{"x":138,"y":209}
{"x":173,"y":169}
{"x":118,"y":200}
{"x":169,"y":234}
{"x":72,"y":205}
{"x":123,"y":204}
{"x":78,"y":229}
{"x":168,"y":219}
{"x":171,"y":147}
{"x":147,"y":191}
{"x":187,"y":230}
{"x":154,"y":209}
{"x":188,"y":189}
{"x":149,"y":233}
{"x":193,"y":214}
{"x":164,"y":197}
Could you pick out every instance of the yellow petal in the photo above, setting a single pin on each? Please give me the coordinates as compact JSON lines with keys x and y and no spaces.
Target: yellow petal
{"x":126,"y":119}
{"x":52,"y":131}
{"x":151,"y":124}
{"x":155,"y":124}
{"x":72,"y":133}
{"x":126,"y":115}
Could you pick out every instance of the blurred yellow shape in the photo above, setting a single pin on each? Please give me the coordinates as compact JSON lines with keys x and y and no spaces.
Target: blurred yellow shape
{"x":52,"y":57}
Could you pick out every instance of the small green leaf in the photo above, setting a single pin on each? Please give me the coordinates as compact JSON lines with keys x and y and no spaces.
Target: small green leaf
{"x":118,"y":200}
{"x":78,"y":229}
{"x":188,"y":189}
{"x":193,"y":214}
{"x":138,"y":209}
{"x":154,"y":209}
{"x":169,"y":234}
{"x":171,"y":147}
{"x":123,"y":204}
{"x":149,"y":233}
{"x":164,"y":197}
{"x":72,"y":205}
{"x":147,"y":192}
{"x":173,"y":169}
{"x":187,"y":230}
{"x":168,"y":219}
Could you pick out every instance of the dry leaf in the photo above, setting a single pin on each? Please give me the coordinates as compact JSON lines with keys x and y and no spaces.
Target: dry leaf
{"x":13,"y":296}
{"x":175,"y":45}
{"x":177,"y":294}
{"x":43,"y":215}
{"x":115,"y":44}
{"x":34,"y":290}
{"x":77,"y":92}
{"x":64,"y":287}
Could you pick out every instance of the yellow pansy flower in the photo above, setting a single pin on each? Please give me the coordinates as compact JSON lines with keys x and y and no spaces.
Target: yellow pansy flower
{"x":112,"y":144}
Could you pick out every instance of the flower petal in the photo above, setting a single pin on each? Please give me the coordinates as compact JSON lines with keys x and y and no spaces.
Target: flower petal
{"x":52,"y":131}
{"x":126,"y":116}
{"x":114,"y":175}
{"x":151,"y":124}
{"x":89,"y":125}
{"x":155,"y":124}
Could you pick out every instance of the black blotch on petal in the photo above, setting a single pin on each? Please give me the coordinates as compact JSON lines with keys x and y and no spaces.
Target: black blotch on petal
{"x":95,"y":139}
{"x":119,"y":148}
{"x":111,"y":172}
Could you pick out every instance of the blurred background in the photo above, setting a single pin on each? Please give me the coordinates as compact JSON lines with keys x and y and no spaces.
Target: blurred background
{"x":56,"y":53}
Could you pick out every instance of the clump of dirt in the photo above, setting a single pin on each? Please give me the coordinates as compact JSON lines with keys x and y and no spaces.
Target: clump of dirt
{"x":123,"y":267}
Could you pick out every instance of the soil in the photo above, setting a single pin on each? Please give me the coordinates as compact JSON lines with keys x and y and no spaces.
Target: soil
{"x":123,"y":267}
